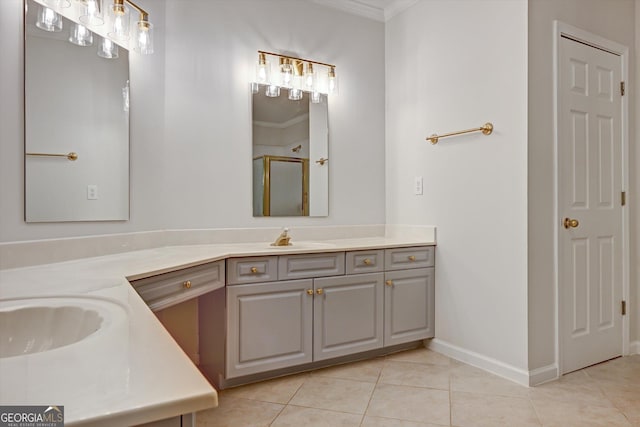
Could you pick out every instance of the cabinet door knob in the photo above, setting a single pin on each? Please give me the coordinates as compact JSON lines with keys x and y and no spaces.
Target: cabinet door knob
{"x":389,"y":283}
{"x":187,"y":284}
{"x":320,"y":291}
{"x":412,"y":258}
{"x":254,"y":270}
{"x":309,"y":291}
{"x":367,"y":261}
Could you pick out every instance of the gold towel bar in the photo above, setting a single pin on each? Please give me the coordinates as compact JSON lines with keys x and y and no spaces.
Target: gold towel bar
{"x":73,"y":156}
{"x":486,"y":129}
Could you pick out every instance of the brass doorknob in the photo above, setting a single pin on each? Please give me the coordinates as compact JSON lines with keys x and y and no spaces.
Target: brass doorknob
{"x":570,"y":223}
{"x":187,"y":284}
{"x":254,"y":270}
{"x":320,"y":291}
{"x":309,"y":291}
{"x":389,"y":283}
{"x":367,"y":261}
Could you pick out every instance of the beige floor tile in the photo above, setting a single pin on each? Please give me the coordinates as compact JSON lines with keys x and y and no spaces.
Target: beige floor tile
{"x":414,"y":374}
{"x":471,"y":409}
{"x":633,"y":414}
{"x":576,"y":387}
{"x":622,"y":394}
{"x":554,"y":413}
{"x":474,"y":380}
{"x":410,"y":403}
{"x":296,"y":416}
{"x":233,"y":412}
{"x":391,"y":422}
{"x":623,"y":370}
{"x":334,"y":394}
{"x":420,"y":355}
{"x":367,"y":370}
{"x":279,"y":390}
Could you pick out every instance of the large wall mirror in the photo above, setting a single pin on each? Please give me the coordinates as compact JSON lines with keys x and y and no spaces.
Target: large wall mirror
{"x":290,"y":155}
{"x":76,"y":125}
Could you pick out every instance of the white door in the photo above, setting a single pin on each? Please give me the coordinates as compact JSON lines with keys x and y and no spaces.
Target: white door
{"x":589,"y":201}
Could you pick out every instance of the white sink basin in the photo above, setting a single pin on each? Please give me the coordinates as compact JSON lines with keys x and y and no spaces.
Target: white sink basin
{"x":35,"y":325}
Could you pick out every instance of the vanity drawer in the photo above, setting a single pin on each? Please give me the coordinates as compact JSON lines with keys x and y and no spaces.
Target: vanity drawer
{"x":165,"y":290}
{"x":403,"y":258}
{"x":252,"y":270}
{"x":365,"y":261}
{"x":305,"y":266}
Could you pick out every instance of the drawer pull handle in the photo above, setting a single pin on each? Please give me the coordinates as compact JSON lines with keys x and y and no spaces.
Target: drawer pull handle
{"x":367,"y":261}
{"x":389,"y":283}
{"x":254,"y":270}
{"x":412,"y":258}
{"x":309,"y":291}
{"x":187,"y":284}
{"x":320,"y":291}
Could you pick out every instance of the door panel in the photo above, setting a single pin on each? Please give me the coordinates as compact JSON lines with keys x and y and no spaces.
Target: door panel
{"x":589,"y":185}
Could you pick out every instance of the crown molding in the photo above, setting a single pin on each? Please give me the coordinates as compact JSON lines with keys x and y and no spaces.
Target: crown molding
{"x":363,"y":8}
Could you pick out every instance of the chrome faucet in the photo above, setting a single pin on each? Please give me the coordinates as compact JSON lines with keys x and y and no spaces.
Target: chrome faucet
{"x":283,"y":238}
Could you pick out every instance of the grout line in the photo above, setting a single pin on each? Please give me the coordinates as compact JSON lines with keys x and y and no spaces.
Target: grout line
{"x":375,"y":386}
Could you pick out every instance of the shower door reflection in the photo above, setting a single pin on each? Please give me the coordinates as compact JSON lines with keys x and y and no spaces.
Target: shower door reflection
{"x":280,"y":186}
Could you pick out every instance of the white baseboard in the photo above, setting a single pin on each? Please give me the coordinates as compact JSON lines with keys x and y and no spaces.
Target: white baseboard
{"x":634,"y":347}
{"x":542,"y":375}
{"x":489,"y":364}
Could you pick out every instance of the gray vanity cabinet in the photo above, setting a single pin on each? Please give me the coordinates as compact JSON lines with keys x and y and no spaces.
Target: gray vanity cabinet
{"x":347,"y":315}
{"x":269,"y":326}
{"x":409,"y":305}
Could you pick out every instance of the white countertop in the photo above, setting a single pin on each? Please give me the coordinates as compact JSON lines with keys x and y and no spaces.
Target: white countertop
{"x":136,"y":373}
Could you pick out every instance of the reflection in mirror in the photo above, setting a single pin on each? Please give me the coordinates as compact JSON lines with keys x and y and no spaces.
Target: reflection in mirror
{"x":289,"y":139}
{"x":75,"y":102}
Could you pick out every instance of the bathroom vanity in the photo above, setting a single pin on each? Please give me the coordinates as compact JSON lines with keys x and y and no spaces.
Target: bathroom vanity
{"x":265,"y":316}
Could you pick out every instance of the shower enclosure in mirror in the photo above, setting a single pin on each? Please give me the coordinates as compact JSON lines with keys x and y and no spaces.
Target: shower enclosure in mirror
{"x":290,"y":155}
{"x":76,"y":122}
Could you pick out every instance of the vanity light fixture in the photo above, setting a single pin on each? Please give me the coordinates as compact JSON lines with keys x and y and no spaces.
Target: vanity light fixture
{"x":92,"y":13}
{"x":297,"y":74}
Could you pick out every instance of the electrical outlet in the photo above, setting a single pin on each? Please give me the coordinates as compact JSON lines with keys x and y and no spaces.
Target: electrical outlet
{"x":417,"y":185}
{"x":92,"y":192}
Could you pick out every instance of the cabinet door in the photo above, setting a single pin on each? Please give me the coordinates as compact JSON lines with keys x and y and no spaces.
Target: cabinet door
{"x":347,"y":315}
{"x":269,"y":326}
{"x":409,"y":305}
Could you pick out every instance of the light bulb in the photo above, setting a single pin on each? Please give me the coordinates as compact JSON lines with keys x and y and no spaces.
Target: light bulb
{"x":80,"y":35}
{"x":119,"y":17}
{"x":92,"y":14}
{"x":48,"y":20}
{"x":286,"y":72}
{"x":263,"y":69}
{"x":107,"y":49}
{"x":309,"y":77}
{"x":272,"y":91}
{"x":333,"y":81}
{"x":143,"y":39}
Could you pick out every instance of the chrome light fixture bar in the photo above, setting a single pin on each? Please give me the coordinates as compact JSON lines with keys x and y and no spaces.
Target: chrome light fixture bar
{"x":296,"y":74}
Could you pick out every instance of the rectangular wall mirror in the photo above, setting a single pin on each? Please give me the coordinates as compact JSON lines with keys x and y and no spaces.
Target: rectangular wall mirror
{"x":290,"y":155}
{"x":76,"y":126}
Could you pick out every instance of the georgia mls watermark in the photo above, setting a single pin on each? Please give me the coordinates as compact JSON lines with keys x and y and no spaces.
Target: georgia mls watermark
{"x":32,"y":416}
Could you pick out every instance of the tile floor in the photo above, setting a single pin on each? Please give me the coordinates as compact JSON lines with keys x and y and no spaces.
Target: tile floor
{"x":423,"y":388}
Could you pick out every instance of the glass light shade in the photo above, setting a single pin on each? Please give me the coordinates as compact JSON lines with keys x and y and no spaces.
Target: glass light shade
{"x":80,"y":35}
{"x":309,"y":81}
{"x":263,"y":72}
{"x":295,"y":94}
{"x":119,"y":19}
{"x":125,"y":97}
{"x":48,"y":20}
{"x":315,"y":97}
{"x":107,"y":49}
{"x":63,"y":4}
{"x":272,"y":91}
{"x":255,"y":87}
{"x":92,"y":12}
{"x":286,"y":73}
{"x":143,"y":37}
{"x":333,"y":84}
